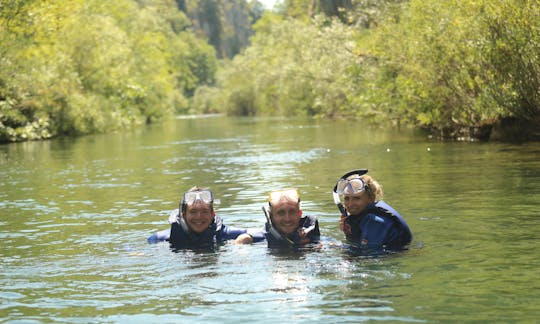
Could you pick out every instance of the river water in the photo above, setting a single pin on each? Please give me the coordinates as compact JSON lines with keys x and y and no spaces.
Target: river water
{"x":75,"y":215}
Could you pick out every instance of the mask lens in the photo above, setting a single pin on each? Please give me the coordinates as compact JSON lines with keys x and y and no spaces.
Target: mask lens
{"x":192,"y":196}
{"x":350,"y":187}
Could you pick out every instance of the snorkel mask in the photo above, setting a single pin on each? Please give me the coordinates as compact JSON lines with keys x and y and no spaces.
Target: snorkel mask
{"x":191,"y":197}
{"x":345,"y":186}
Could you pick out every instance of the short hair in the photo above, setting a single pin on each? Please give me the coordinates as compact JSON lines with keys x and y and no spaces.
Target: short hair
{"x":289,"y":194}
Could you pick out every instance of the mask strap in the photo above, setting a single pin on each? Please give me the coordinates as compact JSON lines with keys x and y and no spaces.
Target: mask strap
{"x":335,"y":195}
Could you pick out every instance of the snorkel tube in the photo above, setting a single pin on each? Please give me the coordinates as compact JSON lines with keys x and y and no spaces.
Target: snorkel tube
{"x":338,"y":203}
{"x":335,"y":194}
{"x":182,"y":221}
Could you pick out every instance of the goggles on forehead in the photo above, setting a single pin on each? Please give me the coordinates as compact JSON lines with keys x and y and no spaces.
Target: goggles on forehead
{"x":285,"y":194}
{"x":350,"y":186}
{"x":191,"y":197}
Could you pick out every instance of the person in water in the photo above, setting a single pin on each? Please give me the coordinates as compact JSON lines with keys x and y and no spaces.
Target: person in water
{"x":195,"y":224}
{"x":366,"y":220}
{"x":286,"y":226}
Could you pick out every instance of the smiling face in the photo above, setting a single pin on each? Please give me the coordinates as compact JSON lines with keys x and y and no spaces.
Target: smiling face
{"x":286,"y":216}
{"x":199,"y":216}
{"x":356,"y":203}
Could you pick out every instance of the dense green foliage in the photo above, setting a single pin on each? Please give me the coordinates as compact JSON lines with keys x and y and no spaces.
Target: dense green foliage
{"x":83,"y":66}
{"x":71,"y":67}
{"x":457,"y":65}
{"x":306,"y":72}
{"x":450,"y":66}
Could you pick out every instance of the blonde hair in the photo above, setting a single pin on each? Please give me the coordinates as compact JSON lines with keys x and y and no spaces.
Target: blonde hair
{"x":284,"y":194}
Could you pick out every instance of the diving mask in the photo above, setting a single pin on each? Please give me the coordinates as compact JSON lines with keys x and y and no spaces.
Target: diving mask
{"x":191,"y":197}
{"x":350,"y":187}
{"x":350,"y":183}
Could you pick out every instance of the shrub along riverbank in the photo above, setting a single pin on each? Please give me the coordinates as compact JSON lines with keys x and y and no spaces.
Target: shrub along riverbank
{"x":456,"y":68}
{"x":71,"y":67}
{"x":461,"y":69}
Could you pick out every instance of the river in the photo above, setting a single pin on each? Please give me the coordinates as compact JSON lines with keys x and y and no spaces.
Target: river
{"x":76,"y":212}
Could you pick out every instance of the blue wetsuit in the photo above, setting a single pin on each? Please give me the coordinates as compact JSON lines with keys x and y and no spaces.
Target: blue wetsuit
{"x":180,"y":236}
{"x":379,"y":226}
{"x":276,"y":239}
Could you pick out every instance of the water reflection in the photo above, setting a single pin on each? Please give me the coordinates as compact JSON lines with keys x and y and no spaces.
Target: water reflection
{"x":75,"y":215}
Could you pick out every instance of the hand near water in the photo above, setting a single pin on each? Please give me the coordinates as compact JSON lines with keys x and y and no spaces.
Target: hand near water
{"x":244,"y":239}
{"x":344,"y":226}
{"x":303,"y":234}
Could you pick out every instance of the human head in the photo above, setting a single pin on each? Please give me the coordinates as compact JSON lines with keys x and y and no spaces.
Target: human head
{"x":285,"y":210}
{"x":359,"y":191}
{"x":198,"y":209}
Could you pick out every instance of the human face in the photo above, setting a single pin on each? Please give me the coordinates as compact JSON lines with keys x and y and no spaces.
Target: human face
{"x":199,"y":216}
{"x":286,"y":216}
{"x":356,"y":203}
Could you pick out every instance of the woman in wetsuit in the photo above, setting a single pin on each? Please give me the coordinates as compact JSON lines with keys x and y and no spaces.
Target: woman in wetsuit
{"x":368,"y":221}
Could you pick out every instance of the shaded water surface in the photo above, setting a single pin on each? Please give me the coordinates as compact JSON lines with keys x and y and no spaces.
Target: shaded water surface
{"x":75,"y":215}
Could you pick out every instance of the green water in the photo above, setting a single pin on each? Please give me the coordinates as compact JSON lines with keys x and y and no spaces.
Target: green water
{"x":76,"y":214}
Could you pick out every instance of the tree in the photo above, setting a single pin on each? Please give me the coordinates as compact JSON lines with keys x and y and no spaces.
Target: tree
{"x":77,"y":67}
{"x":512,"y":47}
{"x":305,"y":72}
{"x":226,"y":24}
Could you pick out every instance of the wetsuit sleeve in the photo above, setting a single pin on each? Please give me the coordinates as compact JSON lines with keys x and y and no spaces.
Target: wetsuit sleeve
{"x":398,"y":237}
{"x":231,"y":233}
{"x":160,"y":236}
{"x":257,"y":235}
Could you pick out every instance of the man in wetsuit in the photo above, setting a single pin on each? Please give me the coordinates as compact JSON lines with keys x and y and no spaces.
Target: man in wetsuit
{"x":286,"y":226}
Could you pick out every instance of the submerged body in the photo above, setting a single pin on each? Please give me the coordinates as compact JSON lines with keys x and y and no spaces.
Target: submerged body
{"x":378,"y":226}
{"x":367,"y":221}
{"x":285,"y":226}
{"x":216,"y":233}
{"x":195,"y":224}
{"x":306,"y":232}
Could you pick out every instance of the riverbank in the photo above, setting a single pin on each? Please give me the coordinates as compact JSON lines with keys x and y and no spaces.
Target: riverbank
{"x":514,"y":130}
{"x":503,"y":130}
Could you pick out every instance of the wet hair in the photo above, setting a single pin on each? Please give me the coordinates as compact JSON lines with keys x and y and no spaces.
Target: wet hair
{"x":283,"y":195}
{"x":196,"y":188}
